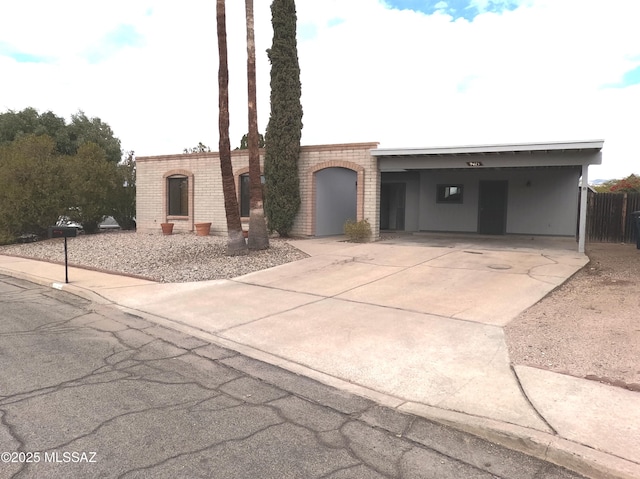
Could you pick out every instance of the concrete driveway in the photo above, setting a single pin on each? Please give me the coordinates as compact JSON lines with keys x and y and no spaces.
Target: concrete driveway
{"x":417,"y":322}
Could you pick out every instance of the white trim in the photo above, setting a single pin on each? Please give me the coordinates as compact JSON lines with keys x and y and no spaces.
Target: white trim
{"x":584,"y":193}
{"x":593,"y":145}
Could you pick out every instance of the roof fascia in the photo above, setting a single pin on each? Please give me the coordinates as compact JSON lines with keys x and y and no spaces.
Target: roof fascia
{"x":593,"y":145}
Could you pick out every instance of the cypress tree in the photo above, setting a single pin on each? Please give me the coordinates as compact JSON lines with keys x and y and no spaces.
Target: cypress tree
{"x":282,"y":141}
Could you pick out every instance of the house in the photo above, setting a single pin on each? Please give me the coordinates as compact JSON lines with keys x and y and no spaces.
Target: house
{"x":519,"y":189}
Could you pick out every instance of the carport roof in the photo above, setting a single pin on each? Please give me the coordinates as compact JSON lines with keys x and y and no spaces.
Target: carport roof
{"x":592,"y":146}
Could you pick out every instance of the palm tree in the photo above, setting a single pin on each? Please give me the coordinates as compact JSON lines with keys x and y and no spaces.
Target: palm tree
{"x":258,"y":236}
{"x":236,"y":245}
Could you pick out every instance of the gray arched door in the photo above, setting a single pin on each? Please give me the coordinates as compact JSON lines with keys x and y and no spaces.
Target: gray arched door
{"x":336,"y":200}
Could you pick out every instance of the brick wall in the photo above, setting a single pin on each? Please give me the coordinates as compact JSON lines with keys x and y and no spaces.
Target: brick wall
{"x":206,"y":201}
{"x":354,"y":156}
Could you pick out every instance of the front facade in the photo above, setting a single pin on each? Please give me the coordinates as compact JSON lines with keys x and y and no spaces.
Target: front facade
{"x":337,"y":182}
{"x":527,"y":189}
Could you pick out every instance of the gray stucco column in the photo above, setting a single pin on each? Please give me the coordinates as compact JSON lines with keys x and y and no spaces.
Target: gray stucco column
{"x":584,"y":192}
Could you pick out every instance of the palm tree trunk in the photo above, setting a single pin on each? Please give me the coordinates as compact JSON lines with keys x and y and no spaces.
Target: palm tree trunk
{"x":258,"y":236}
{"x":236,"y":245}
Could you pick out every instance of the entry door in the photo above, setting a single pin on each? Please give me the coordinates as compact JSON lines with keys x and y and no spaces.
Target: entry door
{"x":392,"y":206}
{"x":492,"y":208}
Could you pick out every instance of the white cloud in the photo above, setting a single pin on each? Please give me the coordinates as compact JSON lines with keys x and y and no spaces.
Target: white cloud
{"x":368,"y":73}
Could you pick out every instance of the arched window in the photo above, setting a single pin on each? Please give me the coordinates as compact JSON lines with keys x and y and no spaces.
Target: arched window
{"x":178,"y":196}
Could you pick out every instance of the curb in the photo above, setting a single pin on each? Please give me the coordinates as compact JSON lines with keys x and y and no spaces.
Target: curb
{"x":66,"y":287}
{"x":548,"y":447}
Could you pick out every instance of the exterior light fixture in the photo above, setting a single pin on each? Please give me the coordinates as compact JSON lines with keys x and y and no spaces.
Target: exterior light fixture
{"x":474,"y":163}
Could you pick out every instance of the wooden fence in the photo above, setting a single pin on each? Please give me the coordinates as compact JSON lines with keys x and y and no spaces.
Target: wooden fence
{"x":609,"y":219}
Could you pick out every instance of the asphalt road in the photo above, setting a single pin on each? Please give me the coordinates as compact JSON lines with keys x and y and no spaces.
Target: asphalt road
{"x":88,"y":391}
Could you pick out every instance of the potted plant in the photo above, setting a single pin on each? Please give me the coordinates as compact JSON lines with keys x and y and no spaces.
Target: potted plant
{"x":167,"y":228}
{"x":203,"y":229}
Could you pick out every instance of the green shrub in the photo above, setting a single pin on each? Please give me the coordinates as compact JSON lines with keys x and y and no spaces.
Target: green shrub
{"x":358,"y":231}
{"x":6,"y":238}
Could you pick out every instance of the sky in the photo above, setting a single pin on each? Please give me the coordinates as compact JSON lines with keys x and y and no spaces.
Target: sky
{"x":403,"y":73}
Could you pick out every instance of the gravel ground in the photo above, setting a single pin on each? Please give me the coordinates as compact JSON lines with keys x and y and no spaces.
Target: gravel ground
{"x":168,"y":259}
{"x":590,"y":326}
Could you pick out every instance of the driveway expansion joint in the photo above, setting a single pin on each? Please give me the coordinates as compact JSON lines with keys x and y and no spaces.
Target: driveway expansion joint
{"x":526,"y":397}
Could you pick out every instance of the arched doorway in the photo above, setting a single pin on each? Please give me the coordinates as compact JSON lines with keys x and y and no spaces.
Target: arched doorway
{"x":336,"y":200}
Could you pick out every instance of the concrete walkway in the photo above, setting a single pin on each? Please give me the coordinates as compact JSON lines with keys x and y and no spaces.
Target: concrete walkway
{"x":413,"y":324}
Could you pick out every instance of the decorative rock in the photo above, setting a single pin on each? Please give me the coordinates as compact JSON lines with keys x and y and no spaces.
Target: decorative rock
{"x":168,"y":259}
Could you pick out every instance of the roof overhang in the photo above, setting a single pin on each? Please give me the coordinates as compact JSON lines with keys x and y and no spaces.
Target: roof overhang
{"x":518,"y":155}
{"x":560,"y":146}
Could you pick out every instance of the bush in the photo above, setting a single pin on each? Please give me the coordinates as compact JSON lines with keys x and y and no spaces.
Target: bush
{"x":358,"y":231}
{"x":93,"y":181}
{"x":33,"y":186}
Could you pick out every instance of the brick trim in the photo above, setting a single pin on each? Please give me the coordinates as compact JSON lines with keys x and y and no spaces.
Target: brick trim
{"x":235,"y":153}
{"x":190,"y":193}
{"x":310,"y":207}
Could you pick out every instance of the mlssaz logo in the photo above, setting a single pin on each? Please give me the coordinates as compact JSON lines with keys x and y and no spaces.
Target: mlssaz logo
{"x":69,"y":457}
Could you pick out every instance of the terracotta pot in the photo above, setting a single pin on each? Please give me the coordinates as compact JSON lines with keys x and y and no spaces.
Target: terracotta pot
{"x":203,"y":229}
{"x":167,"y":228}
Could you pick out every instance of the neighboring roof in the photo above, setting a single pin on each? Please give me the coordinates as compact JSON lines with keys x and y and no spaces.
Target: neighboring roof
{"x":560,"y":146}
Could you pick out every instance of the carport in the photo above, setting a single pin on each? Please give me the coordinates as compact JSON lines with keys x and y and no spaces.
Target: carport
{"x":514,"y":189}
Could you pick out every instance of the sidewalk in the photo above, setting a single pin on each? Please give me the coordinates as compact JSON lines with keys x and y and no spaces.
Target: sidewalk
{"x":413,"y":327}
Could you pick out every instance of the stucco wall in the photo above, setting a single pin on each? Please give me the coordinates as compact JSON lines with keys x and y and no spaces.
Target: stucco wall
{"x":412,"y":200}
{"x":540,"y":201}
{"x":549,"y":206}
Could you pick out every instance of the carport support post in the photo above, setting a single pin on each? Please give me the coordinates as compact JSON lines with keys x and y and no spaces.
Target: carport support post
{"x":584,"y":192}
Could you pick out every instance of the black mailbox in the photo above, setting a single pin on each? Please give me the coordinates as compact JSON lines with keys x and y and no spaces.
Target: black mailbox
{"x":62,"y":232}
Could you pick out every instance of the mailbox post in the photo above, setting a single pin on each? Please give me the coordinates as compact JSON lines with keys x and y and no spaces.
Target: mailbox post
{"x":63,"y":232}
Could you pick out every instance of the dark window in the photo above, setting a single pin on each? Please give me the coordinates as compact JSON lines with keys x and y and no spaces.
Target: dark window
{"x":245,"y":194}
{"x":178,"y":196}
{"x":449,"y":194}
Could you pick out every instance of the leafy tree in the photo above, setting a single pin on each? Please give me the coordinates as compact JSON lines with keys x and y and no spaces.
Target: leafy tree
{"x":258,"y":236}
{"x":83,"y":129}
{"x":55,"y":126}
{"x":50,"y":169}
{"x":93,"y":180}
{"x":244,"y":142}
{"x":630,"y":184}
{"x":68,"y":137}
{"x":14,"y":125}
{"x":33,"y":187}
{"x":123,"y":201}
{"x":236,"y":244}
{"x":285,"y":122}
{"x":200,"y":148}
